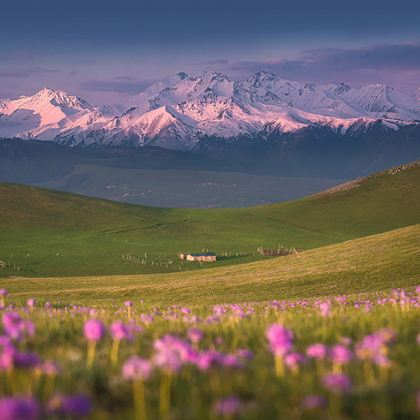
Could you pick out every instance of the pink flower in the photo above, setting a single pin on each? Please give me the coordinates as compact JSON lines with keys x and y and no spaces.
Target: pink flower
{"x":19,"y":408}
{"x":31,"y":303}
{"x":245,"y":354}
{"x":16,"y":327}
{"x":94,"y":330}
{"x":136,"y":368}
{"x":340,"y":354}
{"x":207,"y":359}
{"x":280,"y":339}
{"x":228,"y":406}
{"x":317,"y":351}
{"x":230,"y":360}
{"x":325,"y":308}
{"x":312,"y":402}
{"x":336,"y":382}
{"x":168,"y":359}
{"x":374,"y":346}
{"x":146,"y":319}
{"x":120,"y":331}
{"x":293,"y":360}
{"x":195,"y":335}
{"x":48,"y":368}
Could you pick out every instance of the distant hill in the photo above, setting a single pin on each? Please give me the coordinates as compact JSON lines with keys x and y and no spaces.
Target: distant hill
{"x":219,"y":173}
{"x":44,"y":232}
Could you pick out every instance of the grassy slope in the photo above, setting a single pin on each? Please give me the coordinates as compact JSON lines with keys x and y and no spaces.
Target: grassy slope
{"x":373,"y":263}
{"x":47,"y":233}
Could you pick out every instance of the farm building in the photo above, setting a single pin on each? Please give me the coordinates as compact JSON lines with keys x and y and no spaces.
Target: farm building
{"x":199,"y":257}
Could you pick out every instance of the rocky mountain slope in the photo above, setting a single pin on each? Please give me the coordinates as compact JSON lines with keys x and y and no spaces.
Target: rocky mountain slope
{"x":181,"y":111}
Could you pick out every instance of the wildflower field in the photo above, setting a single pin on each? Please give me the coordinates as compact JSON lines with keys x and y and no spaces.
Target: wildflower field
{"x":332,"y":332}
{"x":353,"y":356}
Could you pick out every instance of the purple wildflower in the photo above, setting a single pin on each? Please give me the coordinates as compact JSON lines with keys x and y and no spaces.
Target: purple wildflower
{"x":31,"y":303}
{"x":25,"y":359}
{"x":317,"y":351}
{"x":245,"y":354}
{"x":16,"y":327}
{"x":340,"y":354}
{"x":195,"y":335}
{"x":48,"y":368}
{"x":146,"y":318}
{"x":207,"y":359}
{"x":172,"y":352}
{"x":374,"y":346}
{"x":120,"y":331}
{"x":94,"y":330}
{"x":312,"y":402}
{"x":168,"y":359}
{"x":325,"y":308}
{"x":136,"y":368}
{"x":19,"y":408}
{"x":336,"y":382}
{"x":70,"y":405}
{"x":280,"y":339}
{"x":228,"y":406}
{"x":230,"y":360}
{"x":293,"y":360}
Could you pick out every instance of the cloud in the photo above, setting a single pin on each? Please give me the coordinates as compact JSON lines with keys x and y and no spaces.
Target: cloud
{"x":25,"y":72}
{"x":19,"y":56}
{"x":123,"y":86}
{"x":124,"y":78}
{"x":374,"y":63}
{"x":211,"y":63}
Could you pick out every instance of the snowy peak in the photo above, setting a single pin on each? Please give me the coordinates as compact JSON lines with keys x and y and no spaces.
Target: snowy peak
{"x":262,"y":78}
{"x":61,"y":99}
{"x":42,"y":115}
{"x":182,"y":109}
{"x":45,"y":98}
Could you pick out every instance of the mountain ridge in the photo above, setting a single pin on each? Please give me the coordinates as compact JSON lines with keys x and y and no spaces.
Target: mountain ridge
{"x":178,"y":112}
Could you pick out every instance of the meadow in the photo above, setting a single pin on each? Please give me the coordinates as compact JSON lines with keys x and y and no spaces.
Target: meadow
{"x":48,"y":233}
{"x":374,"y":263}
{"x":331,"y":333}
{"x":88,"y":330}
{"x":338,"y":357}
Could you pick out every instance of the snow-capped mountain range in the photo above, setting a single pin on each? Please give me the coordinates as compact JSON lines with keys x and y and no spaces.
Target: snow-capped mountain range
{"x":178,"y":112}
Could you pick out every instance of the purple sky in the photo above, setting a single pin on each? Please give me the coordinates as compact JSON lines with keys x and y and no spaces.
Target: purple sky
{"x":105,"y":51}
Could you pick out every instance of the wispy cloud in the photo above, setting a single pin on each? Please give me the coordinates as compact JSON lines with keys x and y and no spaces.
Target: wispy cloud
{"x":372,"y":63}
{"x":25,"y":72}
{"x":123,"y":86}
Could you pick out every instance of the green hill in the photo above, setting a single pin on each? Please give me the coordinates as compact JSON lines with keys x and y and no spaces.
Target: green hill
{"x":49,"y":233}
{"x":374,"y":263}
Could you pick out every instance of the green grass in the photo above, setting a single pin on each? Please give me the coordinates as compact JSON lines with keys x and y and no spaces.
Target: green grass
{"x":49,"y":233}
{"x":374,"y":263}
